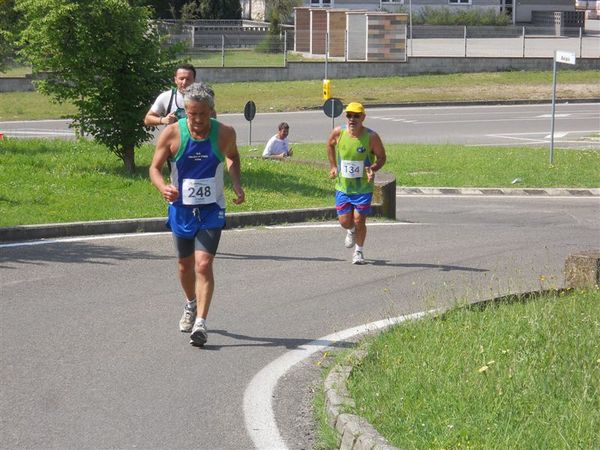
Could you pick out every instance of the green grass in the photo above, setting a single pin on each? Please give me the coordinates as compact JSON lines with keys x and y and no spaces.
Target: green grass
{"x":460,"y":166}
{"x":82,"y":181}
{"x":307,"y":94}
{"x":70,"y":181}
{"x":518,"y":374}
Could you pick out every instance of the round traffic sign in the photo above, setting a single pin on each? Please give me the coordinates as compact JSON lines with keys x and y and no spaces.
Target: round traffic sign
{"x":333,"y":107}
{"x":249,"y":110}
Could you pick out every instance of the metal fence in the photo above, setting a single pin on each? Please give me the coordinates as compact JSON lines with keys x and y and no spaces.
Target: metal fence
{"x":223,"y":46}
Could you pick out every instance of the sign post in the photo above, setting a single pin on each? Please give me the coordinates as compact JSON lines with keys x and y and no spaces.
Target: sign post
{"x":566,"y":58}
{"x":249,"y":113}
{"x":332,"y":108}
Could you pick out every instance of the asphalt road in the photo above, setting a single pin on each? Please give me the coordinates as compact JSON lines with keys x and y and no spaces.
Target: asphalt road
{"x":91,"y":352}
{"x":575,"y":123}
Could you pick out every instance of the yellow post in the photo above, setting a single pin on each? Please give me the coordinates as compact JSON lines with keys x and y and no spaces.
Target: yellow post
{"x":326,"y":89}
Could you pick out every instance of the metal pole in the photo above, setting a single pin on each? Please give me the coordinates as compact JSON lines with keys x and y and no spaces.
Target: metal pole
{"x":553,"y":110}
{"x":410,"y":25}
{"x":580,"y":41}
{"x":332,"y":115}
{"x":465,"y":41}
{"x":250,"y":134}
{"x":222,"y":50}
{"x":326,"y":52}
{"x":285,"y":48}
{"x":523,"y":42}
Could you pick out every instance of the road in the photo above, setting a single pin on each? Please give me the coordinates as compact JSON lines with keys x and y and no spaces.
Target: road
{"x":470,"y":125}
{"x":91,"y":352}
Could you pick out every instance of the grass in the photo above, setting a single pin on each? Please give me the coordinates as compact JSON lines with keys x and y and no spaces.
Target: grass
{"x":81,"y":181}
{"x":307,"y":94}
{"x":524,"y":373}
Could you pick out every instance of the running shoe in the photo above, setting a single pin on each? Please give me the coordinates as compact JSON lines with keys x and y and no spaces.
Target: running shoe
{"x":349,"y":241}
{"x":199,"y":336}
{"x":186,"y":323}
{"x":358,"y":258}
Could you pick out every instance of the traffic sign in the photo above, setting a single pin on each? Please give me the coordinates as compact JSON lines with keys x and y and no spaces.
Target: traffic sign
{"x":250,"y":110}
{"x":333,"y":107}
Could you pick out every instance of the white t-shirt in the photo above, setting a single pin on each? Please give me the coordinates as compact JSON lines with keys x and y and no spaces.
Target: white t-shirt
{"x":161,"y":103}
{"x":276,"y":146}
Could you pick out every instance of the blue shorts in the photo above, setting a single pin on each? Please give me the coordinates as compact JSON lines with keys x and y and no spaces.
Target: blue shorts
{"x":345,"y":203}
{"x":185,"y":222}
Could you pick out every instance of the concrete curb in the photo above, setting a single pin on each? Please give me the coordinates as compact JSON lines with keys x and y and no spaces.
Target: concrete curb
{"x":384,"y":204}
{"x":530,"y":192}
{"x":354,"y":431}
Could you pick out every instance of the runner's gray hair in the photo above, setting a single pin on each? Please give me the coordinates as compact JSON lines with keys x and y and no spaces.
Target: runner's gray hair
{"x":199,"y":92}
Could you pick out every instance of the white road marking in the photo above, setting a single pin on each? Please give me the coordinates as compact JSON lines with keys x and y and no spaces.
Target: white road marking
{"x":258,"y":405}
{"x":555,"y":115}
{"x":81,"y":239}
{"x":557,"y":135}
{"x":337,"y":225}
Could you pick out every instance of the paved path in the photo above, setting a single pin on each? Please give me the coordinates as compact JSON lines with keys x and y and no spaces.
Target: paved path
{"x":91,"y":351}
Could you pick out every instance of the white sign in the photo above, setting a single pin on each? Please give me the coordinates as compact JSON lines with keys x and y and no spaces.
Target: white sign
{"x":564,"y":57}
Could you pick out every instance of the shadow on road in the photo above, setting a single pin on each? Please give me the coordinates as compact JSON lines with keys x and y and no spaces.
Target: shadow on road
{"x":288,"y":343}
{"x":441,"y":267}
{"x":275,"y":257}
{"x":74,"y":252}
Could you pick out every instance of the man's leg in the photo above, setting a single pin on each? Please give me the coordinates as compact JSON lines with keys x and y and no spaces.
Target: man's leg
{"x":360,"y":222}
{"x":205,"y":281}
{"x":187,"y":276}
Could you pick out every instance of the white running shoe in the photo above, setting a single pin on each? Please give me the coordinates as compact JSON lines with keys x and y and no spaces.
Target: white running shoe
{"x":349,"y":241}
{"x":186,"y":323}
{"x":358,"y":258}
{"x":199,"y":335}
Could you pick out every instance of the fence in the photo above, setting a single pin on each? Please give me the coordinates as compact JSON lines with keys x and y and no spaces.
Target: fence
{"x":220,"y":44}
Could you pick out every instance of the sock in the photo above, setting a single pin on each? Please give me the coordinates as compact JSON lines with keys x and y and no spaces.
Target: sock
{"x":358,"y":248}
{"x":190,"y":304}
{"x":200,"y":320}
{"x":352,"y":230}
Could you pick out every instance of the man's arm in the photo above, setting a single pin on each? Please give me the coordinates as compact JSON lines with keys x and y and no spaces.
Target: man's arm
{"x":167,"y":141}
{"x":331,"y":143}
{"x":228,"y":146}
{"x":380,"y":156}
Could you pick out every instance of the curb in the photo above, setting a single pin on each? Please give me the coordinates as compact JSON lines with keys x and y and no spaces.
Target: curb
{"x":526,"y":192}
{"x":355,"y":432}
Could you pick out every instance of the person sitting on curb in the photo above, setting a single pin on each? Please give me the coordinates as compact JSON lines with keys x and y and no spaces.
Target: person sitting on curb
{"x":278,"y":146}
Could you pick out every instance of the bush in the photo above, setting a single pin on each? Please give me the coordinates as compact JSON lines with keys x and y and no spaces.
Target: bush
{"x":446,"y":16}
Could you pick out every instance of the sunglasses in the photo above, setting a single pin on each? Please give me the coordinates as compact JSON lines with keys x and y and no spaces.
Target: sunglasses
{"x":352,"y":116}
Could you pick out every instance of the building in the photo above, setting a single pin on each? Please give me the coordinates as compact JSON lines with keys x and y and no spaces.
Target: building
{"x":519,"y":10}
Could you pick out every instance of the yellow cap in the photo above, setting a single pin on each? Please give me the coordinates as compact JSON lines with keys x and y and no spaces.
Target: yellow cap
{"x":355,"y":107}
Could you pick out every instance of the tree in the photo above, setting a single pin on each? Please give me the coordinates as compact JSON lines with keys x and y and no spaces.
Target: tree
{"x":9,"y":29}
{"x":103,"y":56}
{"x":212,"y":9}
{"x":278,"y":12}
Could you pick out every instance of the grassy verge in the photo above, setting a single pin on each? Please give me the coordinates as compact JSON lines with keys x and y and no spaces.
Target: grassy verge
{"x":517,"y":374}
{"x":297,"y":95}
{"x":81,"y":181}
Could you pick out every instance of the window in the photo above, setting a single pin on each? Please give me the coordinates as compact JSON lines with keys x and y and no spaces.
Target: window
{"x":401,"y":2}
{"x":459,"y":2}
{"x":321,"y":2}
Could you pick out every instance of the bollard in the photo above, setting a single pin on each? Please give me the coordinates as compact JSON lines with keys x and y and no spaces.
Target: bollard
{"x":582,"y":270}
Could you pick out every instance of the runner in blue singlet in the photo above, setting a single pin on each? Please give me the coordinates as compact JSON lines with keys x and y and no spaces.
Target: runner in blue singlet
{"x":198,"y":147}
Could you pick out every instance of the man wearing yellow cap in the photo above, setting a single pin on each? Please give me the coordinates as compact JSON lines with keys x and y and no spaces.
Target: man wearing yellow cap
{"x":355,"y":153}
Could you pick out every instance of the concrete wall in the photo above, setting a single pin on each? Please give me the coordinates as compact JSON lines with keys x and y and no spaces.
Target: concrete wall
{"x":336,"y":27}
{"x":386,"y":37}
{"x":523,"y":8}
{"x":316,"y":70}
{"x":356,"y":24}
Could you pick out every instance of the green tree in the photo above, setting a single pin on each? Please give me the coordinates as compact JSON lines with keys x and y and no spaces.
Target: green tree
{"x":277,"y":12}
{"x":9,"y":29}
{"x":103,"y":56}
{"x":211,"y":9}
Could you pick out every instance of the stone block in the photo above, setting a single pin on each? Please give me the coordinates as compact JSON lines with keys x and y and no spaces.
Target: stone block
{"x":582,"y":270}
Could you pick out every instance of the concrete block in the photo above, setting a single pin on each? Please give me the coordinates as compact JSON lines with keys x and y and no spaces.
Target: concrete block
{"x":582,"y":270}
